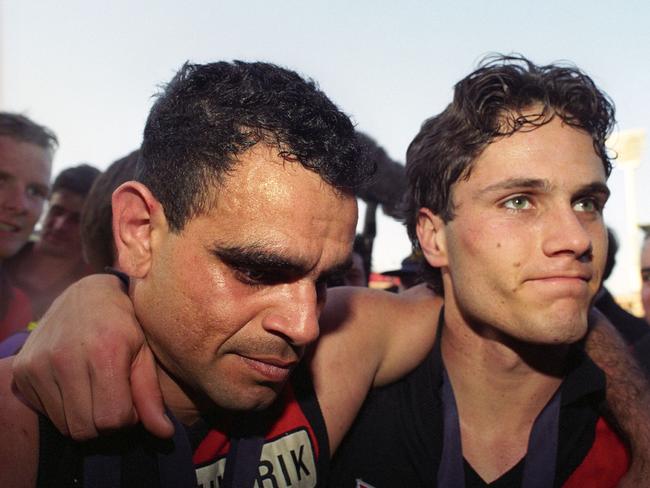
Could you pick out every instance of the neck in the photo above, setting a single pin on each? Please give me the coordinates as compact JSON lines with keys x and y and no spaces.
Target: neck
{"x":500,"y":386}
{"x":189,"y":407}
{"x":498,"y":374}
{"x":182,"y":405}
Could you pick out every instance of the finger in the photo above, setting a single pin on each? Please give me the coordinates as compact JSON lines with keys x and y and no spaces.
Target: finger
{"x":74,"y":398}
{"x":147,"y":396}
{"x":112,"y":405}
{"x":41,"y":392}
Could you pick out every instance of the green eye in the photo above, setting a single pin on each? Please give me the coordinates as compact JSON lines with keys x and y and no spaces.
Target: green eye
{"x":586,"y":205}
{"x":519,"y":202}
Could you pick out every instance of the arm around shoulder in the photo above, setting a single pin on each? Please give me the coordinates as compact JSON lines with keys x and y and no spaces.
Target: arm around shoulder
{"x":385,"y":334}
{"x":627,"y":394}
{"x":19,"y":432}
{"x":368,"y":338}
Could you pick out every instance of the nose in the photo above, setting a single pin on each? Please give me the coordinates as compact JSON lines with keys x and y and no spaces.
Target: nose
{"x":60,"y":222}
{"x":296,"y":317}
{"x":566,"y":234}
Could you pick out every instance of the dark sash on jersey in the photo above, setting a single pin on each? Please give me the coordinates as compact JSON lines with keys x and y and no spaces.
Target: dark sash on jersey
{"x":242,"y":461}
{"x":171,"y":467}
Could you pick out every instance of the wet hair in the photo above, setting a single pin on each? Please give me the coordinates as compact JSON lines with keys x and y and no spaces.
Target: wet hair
{"x":77,"y":179}
{"x":209,"y":114}
{"x":22,"y":129}
{"x":490,"y":103}
{"x":97,"y":215}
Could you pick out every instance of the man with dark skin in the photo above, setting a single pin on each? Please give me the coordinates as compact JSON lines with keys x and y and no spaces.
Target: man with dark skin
{"x":360,"y":346}
{"x":241,"y":211}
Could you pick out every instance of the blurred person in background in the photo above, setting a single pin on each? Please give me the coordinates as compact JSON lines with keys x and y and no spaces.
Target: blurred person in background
{"x":97,"y":214}
{"x":26,"y":152}
{"x":645,"y":277}
{"x":96,"y":231}
{"x":356,"y":274}
{"x":630,"y":327}
{"x":642,"y":347}
{"x":44,"y":268}
{"x":409,"y":272}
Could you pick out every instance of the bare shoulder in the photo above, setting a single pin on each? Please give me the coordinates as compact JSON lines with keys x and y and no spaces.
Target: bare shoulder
{"x":368,"y":338}
{"x":19,"y":431}
{"x":379,"y":327}
{"x":349,"y":307}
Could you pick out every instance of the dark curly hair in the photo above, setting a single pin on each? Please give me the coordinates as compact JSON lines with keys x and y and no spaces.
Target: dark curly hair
{"x":488,"y":104}
{"x":208,"y":114}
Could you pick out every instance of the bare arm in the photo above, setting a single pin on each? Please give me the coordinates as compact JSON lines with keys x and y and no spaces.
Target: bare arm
{"x":19,"y":435}
{"x":628,"y":395}
{"x":87,"y":365}
{"x":368,"y":338}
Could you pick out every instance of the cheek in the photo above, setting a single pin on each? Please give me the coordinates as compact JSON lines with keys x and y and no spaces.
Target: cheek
{"x":217,"y":305}
{"x":35,"y":210}
{"x":486,"y":243}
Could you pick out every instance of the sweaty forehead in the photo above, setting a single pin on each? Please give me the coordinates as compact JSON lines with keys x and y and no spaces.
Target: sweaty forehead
{"x":269,"y":200}
{"x":263,"y":179}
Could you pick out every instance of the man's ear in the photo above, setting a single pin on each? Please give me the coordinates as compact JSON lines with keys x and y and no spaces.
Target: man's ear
{"x":430,"y":230}
{"x":137,"y":216}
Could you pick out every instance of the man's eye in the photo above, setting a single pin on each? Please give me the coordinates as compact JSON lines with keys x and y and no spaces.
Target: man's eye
{"x":520,"y":202}
{"x":34,"y":191}
{"x":252,"y":277}
{"x":645,"y":276}
{"x":587,"y":205}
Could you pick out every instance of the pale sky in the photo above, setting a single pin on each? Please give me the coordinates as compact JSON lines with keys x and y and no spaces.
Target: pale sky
{"x":88,"y":69}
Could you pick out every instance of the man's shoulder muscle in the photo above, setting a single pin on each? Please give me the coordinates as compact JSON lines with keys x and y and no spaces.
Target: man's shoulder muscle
{"x":19,"y":427}
{"x":368,"y":338}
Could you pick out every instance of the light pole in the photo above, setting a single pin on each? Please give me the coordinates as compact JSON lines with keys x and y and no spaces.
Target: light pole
{"x":629,"y":147}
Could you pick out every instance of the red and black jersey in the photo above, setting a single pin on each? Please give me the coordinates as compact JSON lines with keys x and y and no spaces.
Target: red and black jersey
{"x":295,"y":450}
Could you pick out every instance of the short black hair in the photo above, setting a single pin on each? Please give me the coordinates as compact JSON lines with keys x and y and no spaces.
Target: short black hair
{"x":77,"y":179}
{"x":210,"y":113}
{"x":489,"y":104}
{"x":22,"y":129}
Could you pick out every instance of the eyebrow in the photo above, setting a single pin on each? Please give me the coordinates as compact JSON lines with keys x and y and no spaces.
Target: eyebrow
{"x":254,"y":257}
{"x":543,"y":184}
{"x":517,"y":183}
{"x":593,"y":188}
